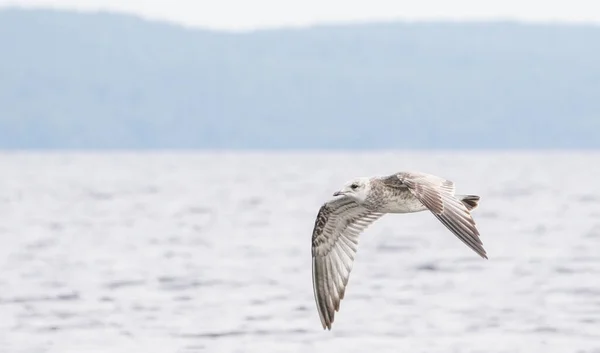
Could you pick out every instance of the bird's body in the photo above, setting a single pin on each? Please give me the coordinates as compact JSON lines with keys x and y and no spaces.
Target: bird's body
{"x":364,"y":200}
{"x":397,"y":199}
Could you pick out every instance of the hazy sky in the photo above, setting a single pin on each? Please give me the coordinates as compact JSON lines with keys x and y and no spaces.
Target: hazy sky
{"x":248,"y":14}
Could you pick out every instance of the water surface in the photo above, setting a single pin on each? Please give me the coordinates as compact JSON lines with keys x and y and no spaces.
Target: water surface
{"x":210,"y":252}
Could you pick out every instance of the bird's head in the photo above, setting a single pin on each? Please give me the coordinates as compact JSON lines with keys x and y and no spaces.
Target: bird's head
{"x":357,"y":189}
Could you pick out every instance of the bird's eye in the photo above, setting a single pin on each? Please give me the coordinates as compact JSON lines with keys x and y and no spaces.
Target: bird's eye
{"x":354,"y":186}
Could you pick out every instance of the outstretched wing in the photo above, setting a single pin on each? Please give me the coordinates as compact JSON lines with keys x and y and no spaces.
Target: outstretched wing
{"x":334,"y":244}
{"x":437,"y":194}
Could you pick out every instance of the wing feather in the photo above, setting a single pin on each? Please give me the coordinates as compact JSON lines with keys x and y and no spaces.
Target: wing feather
{"x":437,"y":194}
{"x":334,"y":245}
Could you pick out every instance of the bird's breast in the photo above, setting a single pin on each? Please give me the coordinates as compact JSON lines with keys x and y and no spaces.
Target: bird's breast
{"x":403,"y":205}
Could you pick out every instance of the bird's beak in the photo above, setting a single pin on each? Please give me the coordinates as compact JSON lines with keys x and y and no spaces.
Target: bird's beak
{"x":338,"y":193}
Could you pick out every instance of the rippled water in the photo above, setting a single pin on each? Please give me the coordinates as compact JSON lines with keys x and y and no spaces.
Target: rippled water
{"x":194,"y":252}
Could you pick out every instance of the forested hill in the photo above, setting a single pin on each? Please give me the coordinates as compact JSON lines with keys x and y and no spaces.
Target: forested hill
{"x":81,"y":80}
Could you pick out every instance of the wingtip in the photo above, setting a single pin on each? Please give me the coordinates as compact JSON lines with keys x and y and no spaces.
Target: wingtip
{"x":326,"y":326}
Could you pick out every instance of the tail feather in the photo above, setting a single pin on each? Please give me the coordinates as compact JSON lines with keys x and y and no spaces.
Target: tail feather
{"x":471,"y":201}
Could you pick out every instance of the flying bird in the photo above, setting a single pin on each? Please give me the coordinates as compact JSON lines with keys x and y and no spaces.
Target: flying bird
{"x":364,"y":200}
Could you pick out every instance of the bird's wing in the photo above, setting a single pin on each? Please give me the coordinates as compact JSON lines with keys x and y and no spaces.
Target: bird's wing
{"x":334,"y":244}
{"x":437,"y":194}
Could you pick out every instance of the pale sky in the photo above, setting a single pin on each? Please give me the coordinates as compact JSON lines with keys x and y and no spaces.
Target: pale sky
{"x":250,"y":14}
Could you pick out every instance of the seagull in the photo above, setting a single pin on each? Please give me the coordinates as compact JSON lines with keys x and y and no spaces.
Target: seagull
{"x":364,"y":200}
